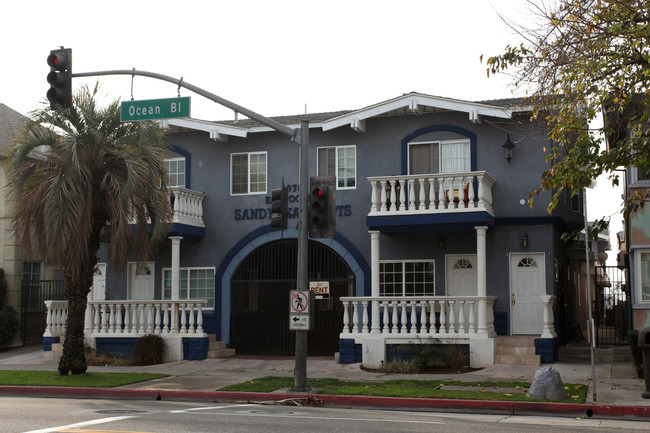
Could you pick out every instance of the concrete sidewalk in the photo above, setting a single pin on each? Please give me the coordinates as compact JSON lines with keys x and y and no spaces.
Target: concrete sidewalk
{"x":618,"y":391}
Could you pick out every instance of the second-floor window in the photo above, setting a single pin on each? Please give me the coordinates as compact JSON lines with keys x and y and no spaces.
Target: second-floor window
{"x":445,"y":156}
{"x":176,"y":170}
{"x":340,"y":162}
{"x":248,"y":173}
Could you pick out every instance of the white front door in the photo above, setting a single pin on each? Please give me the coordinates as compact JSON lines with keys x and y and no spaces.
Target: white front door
{"x":98,"y":291}
{"x":527,"y":285}
{"x":141,"y":279}
{"x":461,"y":275}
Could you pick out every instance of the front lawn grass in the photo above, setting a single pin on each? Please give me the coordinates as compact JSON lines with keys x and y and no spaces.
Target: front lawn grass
{"x":89,"y":379}
{"x":502,"y":391}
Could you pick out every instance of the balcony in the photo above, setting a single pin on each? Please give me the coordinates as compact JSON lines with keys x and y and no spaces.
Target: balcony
{"x":188,"y":212}
{"x":401,"y":203}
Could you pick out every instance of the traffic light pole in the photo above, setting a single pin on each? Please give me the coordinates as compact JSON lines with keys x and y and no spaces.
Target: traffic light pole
{"x":300,"y":367}
{"x":283,"y":129}
{"x":299,"y":136}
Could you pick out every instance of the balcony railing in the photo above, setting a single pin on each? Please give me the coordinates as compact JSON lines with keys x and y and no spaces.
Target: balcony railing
{"x":431,"y":193}
{"x":130,"y":318}
{"x":421,"y":316}
{"x":188,"y":206}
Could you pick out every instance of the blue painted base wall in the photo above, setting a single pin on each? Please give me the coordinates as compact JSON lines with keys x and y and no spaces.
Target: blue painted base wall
{"x":349,"y":352}
{"x":548,"y":349}
{"x":48,"y":342}
{"x":193,"y":348}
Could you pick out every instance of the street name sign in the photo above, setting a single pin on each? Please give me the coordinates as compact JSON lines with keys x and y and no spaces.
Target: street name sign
{"x":154,"y":109}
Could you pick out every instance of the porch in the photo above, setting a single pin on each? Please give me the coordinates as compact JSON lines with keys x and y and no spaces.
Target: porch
{"x":111,"y":324}
{"x":372,"y":324}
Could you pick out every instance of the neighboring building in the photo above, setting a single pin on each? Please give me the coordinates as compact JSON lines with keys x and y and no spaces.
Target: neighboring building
{"x":25,"y":274}
{"x":636,"y":249}
{"x":435,"y":240}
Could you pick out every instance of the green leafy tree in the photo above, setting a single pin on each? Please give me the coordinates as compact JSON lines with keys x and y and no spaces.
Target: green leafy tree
{"x":582,"y":59}
{"x":81,"y":177}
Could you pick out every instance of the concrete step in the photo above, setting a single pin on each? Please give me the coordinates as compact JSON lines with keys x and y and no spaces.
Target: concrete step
{"x":516,"y":350}
{"x":517,"y":359}
{"x":218,"y":349}
{"x":605,"y":354}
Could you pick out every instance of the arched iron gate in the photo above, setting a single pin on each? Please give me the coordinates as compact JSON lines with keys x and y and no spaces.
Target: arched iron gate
{"x":260,"y":299}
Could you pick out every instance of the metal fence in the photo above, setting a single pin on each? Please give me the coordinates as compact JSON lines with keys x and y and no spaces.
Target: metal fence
{"x":612,"y":304}
{"x":32,"y":308}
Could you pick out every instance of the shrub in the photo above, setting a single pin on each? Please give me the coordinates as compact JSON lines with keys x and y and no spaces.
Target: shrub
{"x":8,"y":324}
{"x":8,"y":317}
{"x":402,"y":366}
{"x":149,"y":350}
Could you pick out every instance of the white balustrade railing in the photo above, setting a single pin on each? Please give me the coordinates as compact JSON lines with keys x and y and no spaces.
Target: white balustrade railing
{"x":403,"y":316}
{"x":431,"y":193}
{"x":129,"y":318}
{"x":188,"y":206}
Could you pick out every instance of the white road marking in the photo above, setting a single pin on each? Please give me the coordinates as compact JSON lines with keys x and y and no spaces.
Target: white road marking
{"x":81,"y":424}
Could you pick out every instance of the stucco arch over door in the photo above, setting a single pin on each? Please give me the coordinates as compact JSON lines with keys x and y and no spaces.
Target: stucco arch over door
{"x":260,"y":299}
{"x":339,"y":245}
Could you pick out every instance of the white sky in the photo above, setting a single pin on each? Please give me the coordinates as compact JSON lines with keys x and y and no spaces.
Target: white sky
{"x":271,"y":56}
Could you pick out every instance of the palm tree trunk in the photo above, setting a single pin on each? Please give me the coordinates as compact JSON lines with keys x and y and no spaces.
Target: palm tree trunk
{"x":78,"y":281}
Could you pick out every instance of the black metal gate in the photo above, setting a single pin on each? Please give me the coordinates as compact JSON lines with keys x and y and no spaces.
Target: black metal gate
{"x":32,"y":307}
{"x":612,"y":315}
{"x":260,"y":300}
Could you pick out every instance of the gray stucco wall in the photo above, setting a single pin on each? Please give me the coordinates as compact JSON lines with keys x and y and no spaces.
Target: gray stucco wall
{"x":379,"y":151}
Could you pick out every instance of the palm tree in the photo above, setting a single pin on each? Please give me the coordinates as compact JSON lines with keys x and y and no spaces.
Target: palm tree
{"x":80,"y":177}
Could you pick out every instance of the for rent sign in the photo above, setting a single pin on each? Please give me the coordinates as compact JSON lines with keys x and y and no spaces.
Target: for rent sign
{"x":152,"y":109}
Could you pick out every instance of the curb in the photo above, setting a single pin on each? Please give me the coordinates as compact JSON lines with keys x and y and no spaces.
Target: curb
{"x":596,"y":411}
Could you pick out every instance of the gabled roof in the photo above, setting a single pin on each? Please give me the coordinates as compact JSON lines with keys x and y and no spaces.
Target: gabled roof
{"x":416,"y":103}
{"x":409,"y":103}
{"x":218,"y":131}
{"x":11,"y":122}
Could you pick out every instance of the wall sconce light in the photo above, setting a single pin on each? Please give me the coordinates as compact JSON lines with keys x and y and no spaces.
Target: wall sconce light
{"x":508,"y":147}
{"x":524,"y":240}
{"x":441,"y":242}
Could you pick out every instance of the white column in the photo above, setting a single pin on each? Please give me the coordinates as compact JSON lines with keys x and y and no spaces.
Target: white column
{"x":549,"y":330}
{"x":481,"y":278}
{"x":176,"y":262}
{"x":374,"y":280}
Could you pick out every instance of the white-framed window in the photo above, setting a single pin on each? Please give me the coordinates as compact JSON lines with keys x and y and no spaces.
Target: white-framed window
{"x":176,"y":171}
{"x":248,"y":173}
{"x":194,"y":284}
{"x":341,"y":162}
{"x":445,"y":156}
{"x":407,"y":277}
{"x":642,"y":259}
{"x":32,"y":271}
{"x":642,"y":175}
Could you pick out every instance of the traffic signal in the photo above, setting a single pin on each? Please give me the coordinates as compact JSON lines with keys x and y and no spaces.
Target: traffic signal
{"x":60,"y":78}
{"x":279,"y":207}
{"x":322,"y":207}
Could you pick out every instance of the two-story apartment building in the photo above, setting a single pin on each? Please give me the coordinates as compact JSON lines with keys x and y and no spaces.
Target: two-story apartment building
{"x":435,"y":239}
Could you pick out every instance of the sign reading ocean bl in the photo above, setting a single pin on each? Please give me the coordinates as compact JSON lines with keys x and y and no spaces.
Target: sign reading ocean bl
{"x":152,"y":109}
